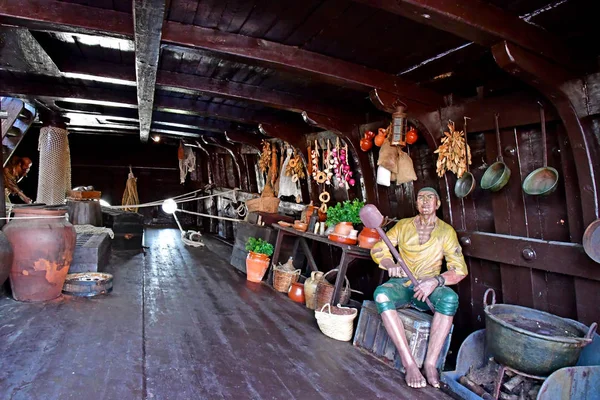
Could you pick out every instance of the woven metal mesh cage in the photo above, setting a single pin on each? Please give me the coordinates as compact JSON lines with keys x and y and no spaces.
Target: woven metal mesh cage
{"x":55,"y":166}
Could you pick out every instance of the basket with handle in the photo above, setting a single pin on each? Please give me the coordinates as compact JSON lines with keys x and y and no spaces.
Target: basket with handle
{"x":325,"y":290}
{"x":336,"y":322}
{"x":283,"y":279}
{"x":263,"y":204}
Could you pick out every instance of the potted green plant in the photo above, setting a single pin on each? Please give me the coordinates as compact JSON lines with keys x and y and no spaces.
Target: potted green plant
{"x":343,"y":215}
{"x":258,"y":259}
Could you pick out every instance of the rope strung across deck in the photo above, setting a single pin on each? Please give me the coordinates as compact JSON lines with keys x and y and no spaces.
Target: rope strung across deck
{"x":178,"y":199}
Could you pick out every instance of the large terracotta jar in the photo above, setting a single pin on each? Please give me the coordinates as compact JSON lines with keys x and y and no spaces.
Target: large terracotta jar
{"x":6,"y":257}
{"x":256,"y":266}
{"x":310,"y":289}
{"x":43,"y":250}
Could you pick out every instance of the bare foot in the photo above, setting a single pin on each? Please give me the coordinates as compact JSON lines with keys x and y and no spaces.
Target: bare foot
{"x":432,"y":375}
{"x":413,"y":377}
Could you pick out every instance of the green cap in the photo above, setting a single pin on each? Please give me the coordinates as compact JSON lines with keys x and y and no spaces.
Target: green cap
{"x":429,"y":189}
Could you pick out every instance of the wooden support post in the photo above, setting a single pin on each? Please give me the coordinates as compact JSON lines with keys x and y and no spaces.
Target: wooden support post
{"x":148,"y":16}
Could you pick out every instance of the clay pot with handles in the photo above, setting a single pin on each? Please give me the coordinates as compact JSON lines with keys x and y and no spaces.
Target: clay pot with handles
{"x":310,"y":289}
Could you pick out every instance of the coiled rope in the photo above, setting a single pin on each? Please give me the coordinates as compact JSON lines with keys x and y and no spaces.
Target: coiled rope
{"x":130,"y":196}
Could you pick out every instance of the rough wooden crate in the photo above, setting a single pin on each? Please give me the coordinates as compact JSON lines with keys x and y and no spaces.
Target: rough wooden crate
{"x":84,"y":194}
{"x":243,"y":231}
{"x":372,"y":337}
{"x":127,"y":226}
{"x":92,"y":252}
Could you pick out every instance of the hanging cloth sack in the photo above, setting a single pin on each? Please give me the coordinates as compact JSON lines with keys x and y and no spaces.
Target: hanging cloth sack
{"x":406,"y":171}
{"x":388,"y":156}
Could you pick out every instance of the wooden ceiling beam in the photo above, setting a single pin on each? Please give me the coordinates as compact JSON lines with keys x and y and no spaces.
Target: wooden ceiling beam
{"x":193,"y":84}
{"x":52,"y":93}
{"x":120,"y":99}
{"x":20,"y":51}
{"x":57,"y":15}
{"x":148,"y":16}
{"x":479,"y":22}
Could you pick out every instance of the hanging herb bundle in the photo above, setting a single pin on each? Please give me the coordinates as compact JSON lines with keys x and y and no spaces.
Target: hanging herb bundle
{"x":451,"y":153}
{"x":265,"y":157}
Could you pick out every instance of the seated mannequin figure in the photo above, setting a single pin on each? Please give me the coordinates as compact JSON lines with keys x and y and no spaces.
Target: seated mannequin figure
{"x":423,"y":242}
{"x":16,"y":169}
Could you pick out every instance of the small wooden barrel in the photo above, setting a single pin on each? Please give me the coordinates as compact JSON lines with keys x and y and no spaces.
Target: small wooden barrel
{"x":83,"y":212}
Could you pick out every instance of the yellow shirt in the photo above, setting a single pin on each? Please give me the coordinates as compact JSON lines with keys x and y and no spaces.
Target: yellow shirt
{"x":423,"y":260}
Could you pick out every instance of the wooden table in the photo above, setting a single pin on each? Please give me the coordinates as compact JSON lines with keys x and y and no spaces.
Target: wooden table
{"x":349,"y":253}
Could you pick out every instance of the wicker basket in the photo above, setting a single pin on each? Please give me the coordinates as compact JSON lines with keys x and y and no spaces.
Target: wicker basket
{"x":283,"y":279}
{"x":336,"y":322}
{"x":325,"y":290}
{"x":263,"y":204}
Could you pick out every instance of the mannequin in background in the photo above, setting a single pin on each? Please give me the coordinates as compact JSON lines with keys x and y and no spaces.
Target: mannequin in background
{"x":16,"y":169}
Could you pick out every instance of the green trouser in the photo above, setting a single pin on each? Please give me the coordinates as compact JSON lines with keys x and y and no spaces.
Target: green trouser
{"x":444,"y":299}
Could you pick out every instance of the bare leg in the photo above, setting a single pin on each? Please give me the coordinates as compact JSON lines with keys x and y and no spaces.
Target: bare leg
{"x":440,"y":327}
{"x":395,"y":331}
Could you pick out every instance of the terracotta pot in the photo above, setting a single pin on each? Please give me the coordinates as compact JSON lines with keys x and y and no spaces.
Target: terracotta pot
{"x":296,"y":292}
{"x":368,"y":237}
{"x":43,"y":250}
{"x":310,"y":289}
{"x":380,"y":138}
{"x":256,"y":266}
{"x":343,"y":228}
{"x":365,"y":144}
{"x":6,"y":257}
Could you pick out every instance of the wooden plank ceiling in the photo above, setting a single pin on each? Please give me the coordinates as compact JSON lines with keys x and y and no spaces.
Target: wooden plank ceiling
{"x":231,"y":65}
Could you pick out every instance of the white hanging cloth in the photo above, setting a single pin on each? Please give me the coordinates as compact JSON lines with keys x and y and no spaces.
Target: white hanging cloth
{"x":287,"y":186}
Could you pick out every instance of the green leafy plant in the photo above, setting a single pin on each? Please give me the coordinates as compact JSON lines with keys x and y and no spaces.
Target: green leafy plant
{"x":348,"y":211}
{"x":259,"y":246}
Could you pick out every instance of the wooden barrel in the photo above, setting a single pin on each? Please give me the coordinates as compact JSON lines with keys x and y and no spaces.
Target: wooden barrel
{"x":83,"y":212}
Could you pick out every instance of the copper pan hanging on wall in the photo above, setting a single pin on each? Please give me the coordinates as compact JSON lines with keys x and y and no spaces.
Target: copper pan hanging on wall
{"x":466,"y":183}
{"x":496,"y":176}
{"x":542,"y":181}
{"x":591,"y":240}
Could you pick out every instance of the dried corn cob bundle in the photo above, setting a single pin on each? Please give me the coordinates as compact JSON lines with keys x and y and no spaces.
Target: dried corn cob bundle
{"x":265,"y":157}
{"x":451,"y":153}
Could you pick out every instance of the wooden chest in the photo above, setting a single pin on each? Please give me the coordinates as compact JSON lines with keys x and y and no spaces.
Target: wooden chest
{"x":127,"y":226}
{"x":242,"y":232}
{"x":372,"y":337}
{"x":92,"y":253}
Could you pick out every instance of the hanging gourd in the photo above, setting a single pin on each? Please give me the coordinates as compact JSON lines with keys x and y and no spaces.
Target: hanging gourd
{"x":380,"y":138}
{"x":411,"y":135}
{"x":181,"y":151}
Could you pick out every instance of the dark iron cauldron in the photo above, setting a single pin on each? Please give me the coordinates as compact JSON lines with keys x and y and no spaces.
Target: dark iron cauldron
{"x":532,"y":341}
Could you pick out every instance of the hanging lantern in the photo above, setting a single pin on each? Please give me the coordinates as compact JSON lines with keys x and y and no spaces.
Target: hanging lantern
{"x":399,"y":125}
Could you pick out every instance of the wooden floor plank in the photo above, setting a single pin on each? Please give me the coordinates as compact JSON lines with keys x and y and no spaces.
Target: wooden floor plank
{"x":182,"y":323}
